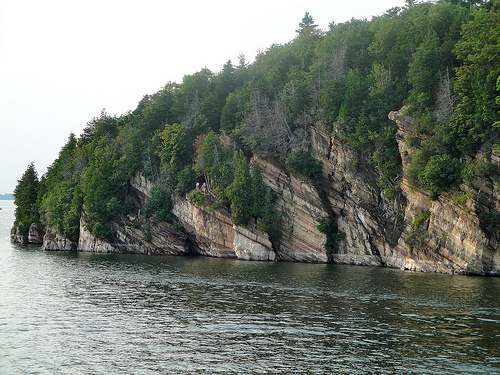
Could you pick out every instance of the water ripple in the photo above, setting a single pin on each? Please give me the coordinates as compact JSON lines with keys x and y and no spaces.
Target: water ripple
{"x":65,"y":313}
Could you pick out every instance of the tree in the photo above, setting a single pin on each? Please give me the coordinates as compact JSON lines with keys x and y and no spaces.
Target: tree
{"x":423,"y":74}
{"x":304,"y":163}
{"x":212,"y":160}
{"x":441,"y":172}
{"x":240,"y":191}
{"x":176,"y":152}
{"x":476,"y":78}
{"x":159,"y":204}
{"x":25,"y":198}
{"x":259,"y":192}
{"x":307,"y":25}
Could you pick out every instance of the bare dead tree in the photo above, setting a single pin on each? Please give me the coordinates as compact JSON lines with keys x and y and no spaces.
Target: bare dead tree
{"x":267,"y":129}
{"x":445,"y":100}
{"x":337,"y":67}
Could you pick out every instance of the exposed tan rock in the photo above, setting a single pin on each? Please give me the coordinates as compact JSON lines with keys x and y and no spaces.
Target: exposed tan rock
{"x":411,"y":232}
{"x":137,"y":235}
{"x":55,"y":242}
{"x":215,"y":235}
{"x":17,"y":236}
{"x":298,"y":206}
{"x":35,"y":234}
{"x":452,"y":239}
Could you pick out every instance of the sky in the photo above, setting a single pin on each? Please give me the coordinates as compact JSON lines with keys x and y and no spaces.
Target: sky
{"x":63,"y":61}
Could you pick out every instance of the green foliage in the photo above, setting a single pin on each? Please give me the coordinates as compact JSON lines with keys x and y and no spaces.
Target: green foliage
{"x":158,"y":204}
{"x":259,"y":192}
{"x":147,"y":233}
{"x":328,"y":226}
{"x":479,"y":50}
{"x":440,"y":59}
{"x":423,"y":73}
{"x":176,"y":153}
{"x":304,"y":163}
{"x":186,"y":179}
{"x":25,"y":199}
{"x":196,"y":197}
{"x":215,"y":165}
{"x":240,"y":192}
{"x":421,"y":219}
{"x":390,"y":194}
{"x":412,"y":141}
{"x":441,"y":172}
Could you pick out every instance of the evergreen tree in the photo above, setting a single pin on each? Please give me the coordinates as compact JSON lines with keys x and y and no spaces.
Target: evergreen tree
{"x":259,"y":192}
{"x":240,"y":191}
{"x":25,"y":198}
{"x":306,"y":25}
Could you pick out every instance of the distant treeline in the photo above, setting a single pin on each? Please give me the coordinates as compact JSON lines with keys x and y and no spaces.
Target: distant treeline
{"x":6,"y":197}
{"x":439,"y":61}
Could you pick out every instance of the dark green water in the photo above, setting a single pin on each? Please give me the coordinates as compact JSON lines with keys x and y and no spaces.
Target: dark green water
{"x":67,"y":313}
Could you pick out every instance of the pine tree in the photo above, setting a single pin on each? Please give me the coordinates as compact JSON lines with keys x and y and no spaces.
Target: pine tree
{"x":25,"y":198}
{"x":259,"y":192}
{"x":240,"y":191}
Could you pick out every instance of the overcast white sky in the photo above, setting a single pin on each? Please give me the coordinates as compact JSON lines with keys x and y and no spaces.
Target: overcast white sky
{"x":62,"y":61}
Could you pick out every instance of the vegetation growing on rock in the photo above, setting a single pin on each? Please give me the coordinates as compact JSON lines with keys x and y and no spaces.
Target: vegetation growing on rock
{"x":439,"y":60}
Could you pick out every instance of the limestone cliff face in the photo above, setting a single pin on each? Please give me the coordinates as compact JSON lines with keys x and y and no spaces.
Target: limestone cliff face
{"x":298,"y":206}
{"x":457,"y":233}
{"x":451,"y":234}
{"x":55,"y":242}
{"x":194,"y":230}
{"x":214,"y":234}
{"x":350,"y":186}
{"x":34,"y":235}
{"x":137,"y":235}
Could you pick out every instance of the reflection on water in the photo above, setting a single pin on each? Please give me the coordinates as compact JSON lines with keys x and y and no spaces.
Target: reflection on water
{"x":82,"y":313}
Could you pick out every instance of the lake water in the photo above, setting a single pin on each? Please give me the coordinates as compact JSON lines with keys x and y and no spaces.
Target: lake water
{"x":82,"y":313}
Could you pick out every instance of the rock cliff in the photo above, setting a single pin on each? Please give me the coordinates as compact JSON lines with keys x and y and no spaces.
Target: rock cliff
{"x":457,"y":233}
{"x":34,"y":235}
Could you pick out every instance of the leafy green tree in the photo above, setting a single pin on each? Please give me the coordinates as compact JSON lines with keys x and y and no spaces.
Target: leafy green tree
{"x":259,"y":192}
{"x":176,"y":152}
{"x":304,"y":163}
{"x":186,"y":180}
{"x":479,"y":50}
{"x":306,"y":25}
{"x":158,"y":204}
{"x":104,"y":186}
{"x":441,"y":172}
{"x":213,"y":162}
{"x":232,"y":113}
{"x":25,"y":199}
{"x":423,"y":74}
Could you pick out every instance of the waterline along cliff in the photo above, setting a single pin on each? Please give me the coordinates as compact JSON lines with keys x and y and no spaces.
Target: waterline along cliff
{"x":372,"y":143}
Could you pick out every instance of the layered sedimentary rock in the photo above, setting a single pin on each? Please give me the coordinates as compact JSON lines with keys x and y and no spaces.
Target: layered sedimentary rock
{"x":215,"y":235}
{"x":55,"y":242}
{"x":408,"y":231}
{"x":34,"y":235}
{"x":448,"y":234}
{"x":137,"y":235}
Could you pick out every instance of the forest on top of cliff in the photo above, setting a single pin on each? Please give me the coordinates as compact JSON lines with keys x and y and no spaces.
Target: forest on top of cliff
{"x":437,"y":61}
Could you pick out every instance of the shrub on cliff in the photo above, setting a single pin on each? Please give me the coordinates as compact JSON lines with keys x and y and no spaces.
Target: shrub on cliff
{"x":440,"y":173}
{"x":304,"y":163}
{"x":158,"y":204}
{"x":328,"y":226}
